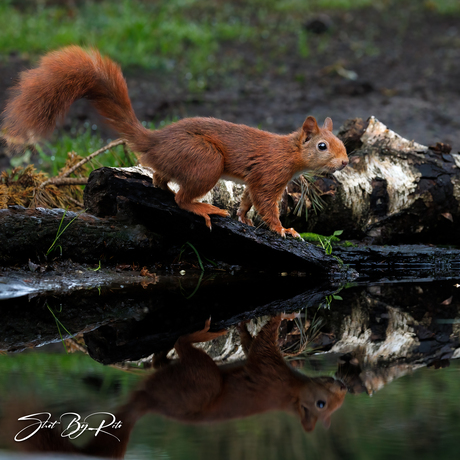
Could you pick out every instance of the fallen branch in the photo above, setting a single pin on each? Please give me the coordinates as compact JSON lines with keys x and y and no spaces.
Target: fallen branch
{"x":63,"y":178}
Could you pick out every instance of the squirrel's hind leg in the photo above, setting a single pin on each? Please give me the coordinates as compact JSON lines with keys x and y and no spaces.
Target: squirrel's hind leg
{"x":161,"y":181}
{"x":200,"y":209}
{"x":245,"y":206}
{"x":191,"y":190}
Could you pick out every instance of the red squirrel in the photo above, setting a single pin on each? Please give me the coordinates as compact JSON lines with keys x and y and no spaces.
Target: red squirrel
{"x":194,"y":389}
{"x":193,"y":152}
{"x":264,"y":382}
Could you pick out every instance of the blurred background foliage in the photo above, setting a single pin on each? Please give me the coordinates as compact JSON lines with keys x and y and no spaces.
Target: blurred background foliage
{"x":185,"y":36}
{"x":197,"y":46}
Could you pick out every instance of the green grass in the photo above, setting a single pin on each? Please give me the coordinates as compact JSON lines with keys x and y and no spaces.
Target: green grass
{"x":196,"y":41}
{"x":154,"y":35}
{"x":187,"y":37}
{"x":56,"y":373}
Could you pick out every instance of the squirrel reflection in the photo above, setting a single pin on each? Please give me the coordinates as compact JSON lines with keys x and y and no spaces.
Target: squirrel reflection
{"x":194,"y":389}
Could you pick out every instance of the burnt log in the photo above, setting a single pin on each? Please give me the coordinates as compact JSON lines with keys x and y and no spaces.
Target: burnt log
{"x":35,"y":235}
{"x":132,"y":221}
{"x":130,"y":196}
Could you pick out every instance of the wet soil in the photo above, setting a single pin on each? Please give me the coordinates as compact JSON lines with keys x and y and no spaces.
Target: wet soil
{"x":398,"y":64}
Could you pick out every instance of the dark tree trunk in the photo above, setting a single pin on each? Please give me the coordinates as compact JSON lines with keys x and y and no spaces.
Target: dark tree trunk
{"x":139,"y":223}
{"x":130,"y":196}
{"x":29,"y":234}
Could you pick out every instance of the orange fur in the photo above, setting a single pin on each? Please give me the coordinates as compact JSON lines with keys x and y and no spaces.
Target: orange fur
{"x":265,"y":382}
{"x":194,"y":152}
{"x":196,"y":390}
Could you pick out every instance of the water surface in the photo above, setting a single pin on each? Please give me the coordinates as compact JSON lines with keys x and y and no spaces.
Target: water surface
{"x":394,"y":344}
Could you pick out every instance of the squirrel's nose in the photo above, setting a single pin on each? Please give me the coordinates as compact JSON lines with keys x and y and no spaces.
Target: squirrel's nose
{"x":344,"y":163}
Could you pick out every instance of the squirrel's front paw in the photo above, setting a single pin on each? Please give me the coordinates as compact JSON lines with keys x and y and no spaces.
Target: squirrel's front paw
{"x":291,"y":232}
{"x":243,"y":219}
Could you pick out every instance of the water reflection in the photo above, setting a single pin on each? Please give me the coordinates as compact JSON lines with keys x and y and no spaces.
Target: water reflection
{"x":195,"y":390}
{"x":392,"y":341}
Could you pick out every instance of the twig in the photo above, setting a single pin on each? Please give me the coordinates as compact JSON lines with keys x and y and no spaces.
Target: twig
{"x":76,"y":202}
{"x":65,"y":181}
{"x":59,"y":180}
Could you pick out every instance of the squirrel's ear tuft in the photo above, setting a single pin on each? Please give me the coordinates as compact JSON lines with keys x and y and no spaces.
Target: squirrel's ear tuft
{"x":310,"y":127}
{"x":328,"y":124}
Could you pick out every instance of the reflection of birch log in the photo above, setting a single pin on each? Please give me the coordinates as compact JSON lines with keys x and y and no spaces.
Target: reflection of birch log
{"x":359,"y":378}
{"x":366,"y":356}
{"x":380,"y":343}
{"x":399,"y":340}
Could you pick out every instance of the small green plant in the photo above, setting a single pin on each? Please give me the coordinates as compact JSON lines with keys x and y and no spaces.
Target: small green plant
{"x":200,"y":263}
{"x":59,"y":325}
{"x":335,"y":296}
{"x":96,"y":269}
{"x":60,"y":232}
{"x":324,"y":241}
{"x":196,"y":287}
{"x":330,"y":298}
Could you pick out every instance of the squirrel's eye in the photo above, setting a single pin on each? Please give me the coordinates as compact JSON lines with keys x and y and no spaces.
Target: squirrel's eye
{"x":322,"y":146}
{"x":320,"y":404}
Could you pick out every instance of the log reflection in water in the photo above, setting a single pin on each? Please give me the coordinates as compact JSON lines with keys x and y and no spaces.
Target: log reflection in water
{"x":195,"y":390}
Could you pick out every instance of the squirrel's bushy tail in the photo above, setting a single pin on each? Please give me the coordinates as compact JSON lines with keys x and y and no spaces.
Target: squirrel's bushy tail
{"x":44,"y":95}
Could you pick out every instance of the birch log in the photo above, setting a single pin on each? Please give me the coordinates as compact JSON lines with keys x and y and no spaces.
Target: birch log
{"x":394,"y":191}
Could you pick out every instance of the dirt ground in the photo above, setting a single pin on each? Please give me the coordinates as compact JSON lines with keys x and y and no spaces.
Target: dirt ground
{"x":400,"y":66}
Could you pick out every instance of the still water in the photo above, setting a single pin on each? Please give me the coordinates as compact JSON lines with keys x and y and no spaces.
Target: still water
{"x":394,"y":344}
